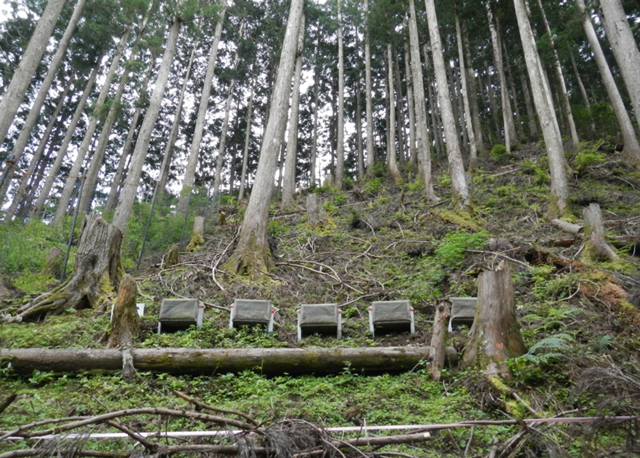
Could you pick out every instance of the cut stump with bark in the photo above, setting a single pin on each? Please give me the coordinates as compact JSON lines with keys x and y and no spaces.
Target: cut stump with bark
{"x":125,"y":314}
{"x":596,"y":247}
{"x":439,"y":339}
{"x":316,"y":215}
{"x":197,"y":235}
{"x":172,"y":257}
{"x":95,"y":278}
{"x":495,"y":335}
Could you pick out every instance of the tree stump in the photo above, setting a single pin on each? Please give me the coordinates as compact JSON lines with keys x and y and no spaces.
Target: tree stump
{"x":125,"y":314}
{"x":495,"y":335}
{"x":316,"y":215}
{"x":439,"y":339}
{"x":197,"y":237}
{"x":53,"y":263}
{"x":596,"y":247}
{"x":95,"y":278}
{"x":172,"y":257}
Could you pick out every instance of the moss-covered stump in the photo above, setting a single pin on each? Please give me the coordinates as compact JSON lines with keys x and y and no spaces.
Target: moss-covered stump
{"x":172,"y":257}
{"x":197,"y":235}
{"x":316,"y":215}
{"x":252,"y":258}
{"x":95,"y":278}
{"x":596,"y":247}
{"x":125,"y":314}
{"x":495,"y":335}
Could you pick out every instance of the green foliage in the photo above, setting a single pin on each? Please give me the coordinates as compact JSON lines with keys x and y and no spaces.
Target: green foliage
{"x":380,"y":169}
{"x":533,"y":366}
{"x":499,"y":153}
{"x":33,"y":282}
{"x":277,"y":228}
{"x":373,"y":187}
{"x":586,"y":159}
{"x":24,"y":247}
{"x":452,"y":249}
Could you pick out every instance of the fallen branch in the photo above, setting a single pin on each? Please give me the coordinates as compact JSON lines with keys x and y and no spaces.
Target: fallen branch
{"x":204,"y":406}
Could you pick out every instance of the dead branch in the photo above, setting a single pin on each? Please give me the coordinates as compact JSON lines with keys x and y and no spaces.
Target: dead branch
{"x":204,"y":406}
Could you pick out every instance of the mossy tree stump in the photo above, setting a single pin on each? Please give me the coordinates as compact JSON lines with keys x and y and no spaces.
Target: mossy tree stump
{"x":95,"y":278}
{"x":439,"y":339}
{"x":197,"y":235}
{"x":316,"y":215}
{"x":596,"y":247}
{"x":125,"y":314}
{"x":172,"y":257}
{"x":495,"y":335}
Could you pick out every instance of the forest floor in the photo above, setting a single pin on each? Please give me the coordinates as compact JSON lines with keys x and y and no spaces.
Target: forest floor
{"x":580,"y":318}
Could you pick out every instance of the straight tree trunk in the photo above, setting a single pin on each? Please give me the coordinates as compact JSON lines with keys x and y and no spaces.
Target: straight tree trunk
{"x":129,"y":190}
{"x":413,"y":158}
{"x":624,"y":47}
{"x":361,"y":169}
{"x":399,"y":108}
{"x":507,"y":112}
{"x":340,"y":133}
{"x":473,"y":96}
{"x":21,"y":193}
{"x":316,"y":96}
{"x":562,"y":86}
{"x":223,"y":142}
{"x":252,"y":255}
{"x":369,"y":92}
{"x":245,"y":151}
{"x":514,"y":96}
{"x":439,"y":339}
{"x":14,"y":95}
{"x":391,"y":132}
{"x":194,"y":151}
{"x":435,"y":120}
{"x":495,"y":335}
{"x":422,"y":134}
{"x":531,"y":113}
{"x":492,"y":102}
{"x":558,"y":201}
{"x":117,"y":182}
{"x":41,"y":96}
{"x":583,"y":91}
{"x":38,"y":208}
{"x":456,"y":167}
{"x":631,"y":145}
{"x":289,"y":183}
{"x":473,"y":151}
{"x":76,"y":169}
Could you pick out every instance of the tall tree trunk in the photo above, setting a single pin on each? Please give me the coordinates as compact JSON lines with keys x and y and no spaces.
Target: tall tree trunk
{"x":456,"y":167}
{"x":175,"y":129}
{"x":76,"y":169}
{"x":514,"y":95}
{"x":631,"y":145}
{"x":223,"y":142}
{"x":316,"y":97}
{"x":558,"y":201}
{"x":422,"y":134}
{"x":624,"y":47}
{"x":399,"y":108}
{"x":289,"y":183}
{"x":583,"y":92}
{"x":391,"y":132}
{"x":359,"y":146}
{"x":562,"y":86}
{"x":129,"y":190}
{"x":117,"y":183}
{"x":38,"y":208}
{"x":38,"y":102}
{"x":473,"y":96}
{"x":413,"y":158}
{"x":369,"y":92}
{"x":531,"y":113}
{"x":490,"y":94}
{"x":252,"y":255}
{"x":340,"y":133}
{"x":473,"y":151}
{"x":21,"y":193}
{"x":245,"y":151}
{"x":14,"y":95}
{"x":194,"y":151}
{"x":507,"y":112}
{"x":433,"y":103}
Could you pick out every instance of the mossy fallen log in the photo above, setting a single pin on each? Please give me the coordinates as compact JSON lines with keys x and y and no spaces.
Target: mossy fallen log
{"x":270,"y":361}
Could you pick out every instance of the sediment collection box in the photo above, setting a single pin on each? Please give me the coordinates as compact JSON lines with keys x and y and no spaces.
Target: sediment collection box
{"x":249,"y":312}
{"x":178,"y":314}
{"x":463,"y":311}
{"x":319,"y":318}
{"x":391,"y":316}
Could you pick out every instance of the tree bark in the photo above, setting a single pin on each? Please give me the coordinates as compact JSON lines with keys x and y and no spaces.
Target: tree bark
{"x":194,"y":151}
{"x":534,"y":135}
{"x":473,"y":95}
{"x":495,"y":334}
{"x":340,"y":133}
{"x":596,"y":247}
{"x":391,"y":132}
{"x":245,"y":151}
{"x":96,"y":274}
{"x":14,"y":95}
{"x":624,"y":47}
{"x":631,"y":145}
{"x":223,"y":142}
{"x":422,"y":134}
{"x":316,"y":215}
{"x":129,"y":190}
{"x":369,"y":92}
{"x":316,"y":109}
{"x":43,"y":91}
{"x":38,"y":208}
{"x":456,"y":167}
{"x":439,"y":339}
{"x":399,"y":97}
{"x":271,"y":361}
{"x":197,"y":235}
{"x":558,"y":202}
{"x":413,"y":153}
{"x":125,"y":313}
{"x":76,"y":169}
{"x":473,"y":148}
{"x":289,"y":182}
{"x":252,"y":255}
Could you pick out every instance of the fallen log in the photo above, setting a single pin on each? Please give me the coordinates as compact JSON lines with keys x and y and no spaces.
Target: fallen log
{"x":575,"y":229}
{"x":270,"y":361}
